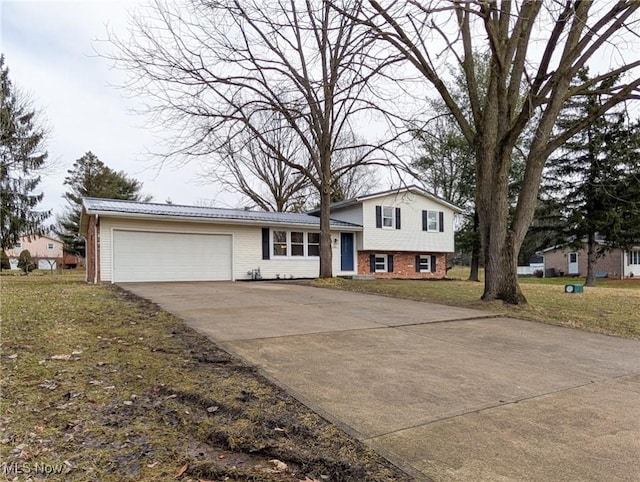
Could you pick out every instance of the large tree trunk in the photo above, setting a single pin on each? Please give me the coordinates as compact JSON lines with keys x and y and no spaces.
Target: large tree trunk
{"x":501,"y":275}
{"x":591,"y":260}
{"x":499,"y":246}
{"x":474,"y":274}
{"x":326,"y":254}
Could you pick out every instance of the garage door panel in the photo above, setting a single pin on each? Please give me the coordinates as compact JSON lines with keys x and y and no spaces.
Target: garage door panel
{"x":161,"y":256}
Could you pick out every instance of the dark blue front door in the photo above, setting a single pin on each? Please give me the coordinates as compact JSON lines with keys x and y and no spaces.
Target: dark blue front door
{"x":346,"y":251}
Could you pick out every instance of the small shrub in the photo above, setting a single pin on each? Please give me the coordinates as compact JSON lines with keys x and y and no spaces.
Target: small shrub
{"x":25,"y":262}
{"x":538,"y":273}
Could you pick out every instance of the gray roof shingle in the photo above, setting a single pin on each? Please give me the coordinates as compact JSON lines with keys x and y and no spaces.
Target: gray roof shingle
{"x":136,"y":208}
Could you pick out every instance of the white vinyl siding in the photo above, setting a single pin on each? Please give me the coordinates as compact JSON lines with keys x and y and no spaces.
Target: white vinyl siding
{"x":47,"y":264}
{"x":351,"y":214}
{"x":246,"y":247}
{"x":411,"y":237}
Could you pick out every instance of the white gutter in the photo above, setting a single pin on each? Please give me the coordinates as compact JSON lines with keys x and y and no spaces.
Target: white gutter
{"x":202,"y":219}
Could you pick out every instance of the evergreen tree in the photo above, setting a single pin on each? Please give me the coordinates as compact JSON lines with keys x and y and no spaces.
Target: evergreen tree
{"x":593,"y":180}
{"x":90,"y":177}
{"x":22,"y":155}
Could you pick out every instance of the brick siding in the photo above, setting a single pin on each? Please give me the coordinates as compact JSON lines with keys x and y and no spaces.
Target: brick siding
{"x":609,"y":263}
{"x":404,"y":265}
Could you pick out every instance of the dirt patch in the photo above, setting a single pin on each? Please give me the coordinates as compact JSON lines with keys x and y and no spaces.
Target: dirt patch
{"x":101,"y":385}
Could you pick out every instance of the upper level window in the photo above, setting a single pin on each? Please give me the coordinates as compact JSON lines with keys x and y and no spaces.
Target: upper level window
{"x":50,"y":246}
{"x":279,"y":243}
{"x":18,"y":244}
{"x":433,"y":221}
{"x":387,"y":216}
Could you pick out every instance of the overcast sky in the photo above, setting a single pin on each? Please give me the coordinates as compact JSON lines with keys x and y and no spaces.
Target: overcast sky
{"x":48,"y":49}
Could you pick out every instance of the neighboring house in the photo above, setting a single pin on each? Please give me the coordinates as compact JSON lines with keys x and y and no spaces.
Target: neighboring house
{"x":571,"y":261}
{"x":404,"y":233}
{"x":45,"y":251}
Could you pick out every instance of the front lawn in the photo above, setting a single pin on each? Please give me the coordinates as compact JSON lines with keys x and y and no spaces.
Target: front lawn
{"x":100,"y":385}
{"x":607,"y":308}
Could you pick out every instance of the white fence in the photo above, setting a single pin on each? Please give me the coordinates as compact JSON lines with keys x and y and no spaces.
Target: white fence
{"x":530,"y":270}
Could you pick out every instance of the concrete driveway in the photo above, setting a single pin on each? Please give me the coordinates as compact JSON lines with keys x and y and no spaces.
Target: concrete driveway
{"x":445,"y":393}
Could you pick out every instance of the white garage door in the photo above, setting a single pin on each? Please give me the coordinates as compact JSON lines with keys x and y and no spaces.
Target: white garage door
{"x":155,"y":256}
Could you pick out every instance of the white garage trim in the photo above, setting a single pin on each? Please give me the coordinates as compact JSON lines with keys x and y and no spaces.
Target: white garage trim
{"x":140,"y":255}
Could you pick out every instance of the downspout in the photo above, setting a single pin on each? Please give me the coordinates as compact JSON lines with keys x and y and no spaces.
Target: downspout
{"x":95,"y":252}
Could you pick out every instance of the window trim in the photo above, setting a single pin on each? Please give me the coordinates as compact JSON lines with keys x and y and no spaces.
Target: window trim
{"x":289,"y":244}
{"x":385,"y":259}
{"x":286,"y":243}
{"x":302,"y":244}
{"x":391,"y":218}
{"x":308,"y":243}
{"x":429,"y":221}
{"x":427,"y":258}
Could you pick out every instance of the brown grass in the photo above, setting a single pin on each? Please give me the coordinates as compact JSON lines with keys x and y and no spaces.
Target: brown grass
{"x":606,"y":308}
{"x":104,"y":386}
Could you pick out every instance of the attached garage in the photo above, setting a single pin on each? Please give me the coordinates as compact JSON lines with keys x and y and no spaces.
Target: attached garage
{"x":140,"y":256}
{"x":133,"y":242}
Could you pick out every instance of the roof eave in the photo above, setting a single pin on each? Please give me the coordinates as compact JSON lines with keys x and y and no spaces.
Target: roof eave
{"x":216,"y":220}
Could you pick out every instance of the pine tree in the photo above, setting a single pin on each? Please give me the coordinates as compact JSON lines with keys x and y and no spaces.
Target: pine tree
{"x":589,"y":180}
{"x":90,"y":177}
{"x":22,"y":155}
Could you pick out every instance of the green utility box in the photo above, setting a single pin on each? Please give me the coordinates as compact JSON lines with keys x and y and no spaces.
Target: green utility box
{"x":574,"y":288}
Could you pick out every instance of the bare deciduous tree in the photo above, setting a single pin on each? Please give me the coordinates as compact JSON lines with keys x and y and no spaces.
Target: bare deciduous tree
{"x":248,"y":167}
{"x":535,"y":49}
{"x":216,"y":70}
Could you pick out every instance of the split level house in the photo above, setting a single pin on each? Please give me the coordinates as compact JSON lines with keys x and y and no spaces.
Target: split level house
{"x":401,"y":233}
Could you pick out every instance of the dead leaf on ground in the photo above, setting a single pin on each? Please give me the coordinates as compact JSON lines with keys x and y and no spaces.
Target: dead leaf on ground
{"x":279,"y":465}
{"x":61,"y":357}
{"x":182,"y":470}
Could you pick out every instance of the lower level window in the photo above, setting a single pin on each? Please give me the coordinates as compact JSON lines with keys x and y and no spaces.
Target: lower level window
{"x":424,"y":264}
{"x":381,"y":263}
{"x":295,"y":243}
{"x":279,"y":243}
{"x":313,"y":244}
{"x":634,"y":257}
